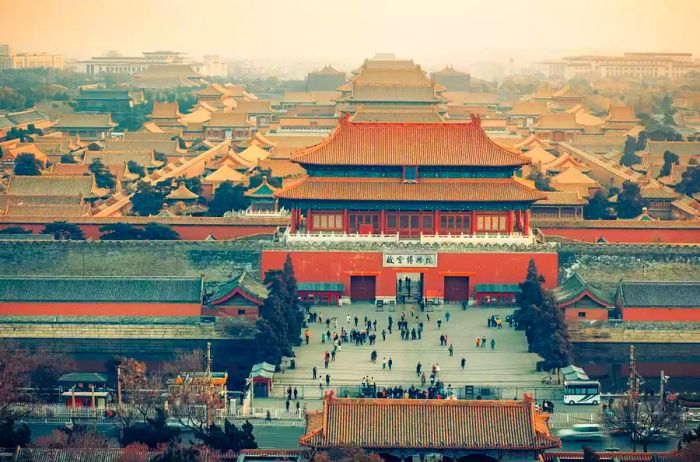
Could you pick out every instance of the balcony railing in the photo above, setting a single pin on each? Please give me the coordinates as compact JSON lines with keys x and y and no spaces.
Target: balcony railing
{"x":480,"y":238}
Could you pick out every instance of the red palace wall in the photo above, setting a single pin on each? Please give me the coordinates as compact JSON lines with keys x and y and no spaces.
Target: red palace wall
{"x":186,"y":232}
{"x":661,"y":314}
{"x":99,"y":309}
{"x":482,"y":268}
{"x":592,"y":314}
{"x":645,"y":235}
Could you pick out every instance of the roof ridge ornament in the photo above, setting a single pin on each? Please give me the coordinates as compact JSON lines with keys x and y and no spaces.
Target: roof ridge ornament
{"x":476,"y":119}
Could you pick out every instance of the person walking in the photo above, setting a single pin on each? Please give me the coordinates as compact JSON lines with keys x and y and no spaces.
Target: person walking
{"x":347,"y":319}
{"x":333,"y":355}
{"x":268,"y":417}
{"x":493,"y":343}
{"x":296,"y":393}
{"x":463,"y":362}
{"x":373,"y":356}
{"x":286,"y":404}
{"x":328,"y":380}
{"x":307,"y":335}
{"x":422,"y":379}
{"x":383,"y":363}
{"x":383,"y":335}
{"x":289,"y":392}
{"x":418,"y":368}
{"x":315,"y":371}
{"x":483,"y":342}
{"x":356,"y":321}
{"x":478,"y":342}
{"x":439,"y":323}
{"x":447,"y":316}
{"x":298,"y":406}
{"x":451,"y":350}
{"x":390,"y":363}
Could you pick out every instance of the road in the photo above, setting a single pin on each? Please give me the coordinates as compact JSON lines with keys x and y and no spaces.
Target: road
{"x":285,"y":437}
{"x":267,"y":436}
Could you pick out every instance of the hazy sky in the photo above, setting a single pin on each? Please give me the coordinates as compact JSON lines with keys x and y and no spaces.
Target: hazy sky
{"x":346,"y":31}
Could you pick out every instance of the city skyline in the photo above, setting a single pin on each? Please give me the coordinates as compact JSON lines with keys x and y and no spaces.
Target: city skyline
{"x":499,"y":28}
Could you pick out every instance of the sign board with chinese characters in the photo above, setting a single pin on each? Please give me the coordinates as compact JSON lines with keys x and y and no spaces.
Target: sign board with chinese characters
{"x":410,"y":259}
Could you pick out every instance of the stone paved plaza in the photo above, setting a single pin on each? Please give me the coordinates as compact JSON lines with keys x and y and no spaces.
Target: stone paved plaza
{"x":507,"y":365}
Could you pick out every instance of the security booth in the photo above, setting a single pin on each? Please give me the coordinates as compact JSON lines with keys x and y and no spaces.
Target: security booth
{"x":320,"y":293}
{"x":496,"y":294}
{"x":261,"y":379}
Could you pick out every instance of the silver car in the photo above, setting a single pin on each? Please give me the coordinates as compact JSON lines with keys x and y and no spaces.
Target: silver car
{"x":583,"y":432}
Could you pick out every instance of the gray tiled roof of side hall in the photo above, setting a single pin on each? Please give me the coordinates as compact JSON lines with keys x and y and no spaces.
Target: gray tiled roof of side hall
{"x":50,"y":185}
{"x":163,"y":146}
{"x":660,"y":294}
{"x":101,"y":289}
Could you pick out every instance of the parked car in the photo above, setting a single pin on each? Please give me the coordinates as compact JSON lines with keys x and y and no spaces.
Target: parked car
{"x":583,"y":432}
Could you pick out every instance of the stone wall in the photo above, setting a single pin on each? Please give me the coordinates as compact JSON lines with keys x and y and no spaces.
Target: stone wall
{"x":603,"y":265}
{"x":215,"y":260}
{"x":633,"y":332}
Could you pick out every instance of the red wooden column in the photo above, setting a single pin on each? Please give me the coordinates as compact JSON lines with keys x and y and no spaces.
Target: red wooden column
{"x":436,"y":222}
{"x":518,"y":220}
{"x":472,"y":223}
{"x":346,"y":221}
{"x":309,"y":226}
{"x":293,"y":224}
{"x":509,"y":222}
{"x":526,"y":224}
{"x":382,"y":221}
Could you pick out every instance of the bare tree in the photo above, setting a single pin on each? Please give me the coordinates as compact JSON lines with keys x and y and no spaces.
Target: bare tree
{"x":16,"y":365}
{"x":643,"y":419}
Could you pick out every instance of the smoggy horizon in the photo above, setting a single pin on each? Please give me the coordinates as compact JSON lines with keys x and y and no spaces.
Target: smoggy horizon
{"x":344,"y":33}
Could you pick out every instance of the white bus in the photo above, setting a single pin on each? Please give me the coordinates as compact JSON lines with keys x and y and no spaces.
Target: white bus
{"x":582,"y":392}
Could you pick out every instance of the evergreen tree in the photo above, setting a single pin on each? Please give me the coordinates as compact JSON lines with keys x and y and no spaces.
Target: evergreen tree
{"x":64,"y":231}
{"x":154,"y":433}
{"x":543,"y":322}
{"x":598,"y":208}
{"x":228,"y":197}
{"x":690,"y":182}
{"x":158,"y":232}
{"x":11,"y":437}
{"x":68,"y":159}
{"x":230,"y":438}
{"x":530,"y":296}
{"x":119,"y":232}
{"x":26,"y":164}
{"x":147,"y":200}
{"x":629,"y":156}
{"x":136,"y":169}
{"x":15,"y":230}
{"x":541,"y":180}
{"x":670,"y":159}
{"x":103,"y":177}
{"x":629,"y":200}
{"x":275,"y":310}
{"x":293,"y":312}
{"x":269,"y":343}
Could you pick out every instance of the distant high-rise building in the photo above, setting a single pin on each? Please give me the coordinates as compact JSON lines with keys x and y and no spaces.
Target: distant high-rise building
{"x":5,"y":56}
{"x":451,"y":79}
{"x":114,"y":63}
{"x":639,"y":65}
{"x":36,"y":60}
{"x":326,"y":79}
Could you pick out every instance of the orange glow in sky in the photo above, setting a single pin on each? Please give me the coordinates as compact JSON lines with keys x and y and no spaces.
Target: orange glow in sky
{"x":349,"y":30}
